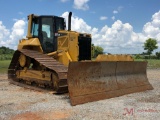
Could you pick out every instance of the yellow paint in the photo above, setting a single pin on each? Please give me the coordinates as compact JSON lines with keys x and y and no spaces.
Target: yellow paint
{"x":33,"y":74}
{"x":31,"y":43}
{"x":68,"y":43}
{"x":29,"y":34}
{"x":114,"y":58}
{"x":22,"y":60}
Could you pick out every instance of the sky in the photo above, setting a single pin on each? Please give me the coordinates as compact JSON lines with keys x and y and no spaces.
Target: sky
{"x":118,"y":26}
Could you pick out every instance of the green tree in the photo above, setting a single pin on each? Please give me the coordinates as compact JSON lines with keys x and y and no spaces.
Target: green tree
{"x":6,"y":50}
{"x":150,"y":45}
{"x":97,"y":50}
{"x":138,"y":56}
{"x":158,"y":55}
{"x":2,"y":51}
{"x":6,"y":53}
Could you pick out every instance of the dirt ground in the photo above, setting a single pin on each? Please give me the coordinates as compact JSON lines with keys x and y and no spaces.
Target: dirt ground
{"x":18,"y":103}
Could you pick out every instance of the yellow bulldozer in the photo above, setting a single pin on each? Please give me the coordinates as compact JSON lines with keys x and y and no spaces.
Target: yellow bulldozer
{"x":59,"y":59}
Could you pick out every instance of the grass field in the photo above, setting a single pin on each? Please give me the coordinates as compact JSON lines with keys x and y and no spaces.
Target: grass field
{"x":151,"y":64}
{"x":154,"y":63}
{"x":4,"y":66}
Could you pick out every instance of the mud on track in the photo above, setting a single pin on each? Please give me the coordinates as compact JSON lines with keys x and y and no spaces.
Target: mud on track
{"x":18,"y":103}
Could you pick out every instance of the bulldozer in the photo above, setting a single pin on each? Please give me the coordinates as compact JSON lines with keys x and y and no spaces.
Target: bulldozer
{"x":57,"y":58}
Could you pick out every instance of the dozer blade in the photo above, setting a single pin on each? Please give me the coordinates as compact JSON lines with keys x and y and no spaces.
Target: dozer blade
{"x":92,"y":81}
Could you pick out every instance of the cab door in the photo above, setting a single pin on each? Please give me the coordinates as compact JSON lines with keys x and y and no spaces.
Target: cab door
{"x":46,"y":34}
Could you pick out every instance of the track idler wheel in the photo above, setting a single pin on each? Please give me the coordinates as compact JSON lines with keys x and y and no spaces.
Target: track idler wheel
{"x":24,"y":61}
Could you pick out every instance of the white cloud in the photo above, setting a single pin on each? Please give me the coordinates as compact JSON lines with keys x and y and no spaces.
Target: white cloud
{"x":78,"y":24}
{"x":115,"y":11}
{"x":64,"y":1}
{"x":4,"y":32}
{"x":113,"y":17}
{"x":152,"y":29}
{"x":120,"y":37}
{"x":103,"y":18}
{"x":10,"y":38}
{"x":17,"y":30}
{"x":81,"y":4}
{"x":115,"y":37}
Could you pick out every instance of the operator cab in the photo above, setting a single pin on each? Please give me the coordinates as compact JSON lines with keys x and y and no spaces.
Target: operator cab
{"x":45,"y":28}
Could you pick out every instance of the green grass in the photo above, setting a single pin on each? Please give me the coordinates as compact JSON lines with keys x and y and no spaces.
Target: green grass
{"x":152,"y":63}
{"x":4,"y":66}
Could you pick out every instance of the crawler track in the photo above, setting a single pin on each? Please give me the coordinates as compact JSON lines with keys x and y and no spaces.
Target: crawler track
{"x":49,"y":63}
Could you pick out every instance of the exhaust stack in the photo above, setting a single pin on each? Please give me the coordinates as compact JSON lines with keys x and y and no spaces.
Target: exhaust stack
{"x":69,"y":21}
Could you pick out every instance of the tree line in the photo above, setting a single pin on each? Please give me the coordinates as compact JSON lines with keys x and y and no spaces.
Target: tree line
{"x":6,"y":53}
{"x":6,"y":50}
